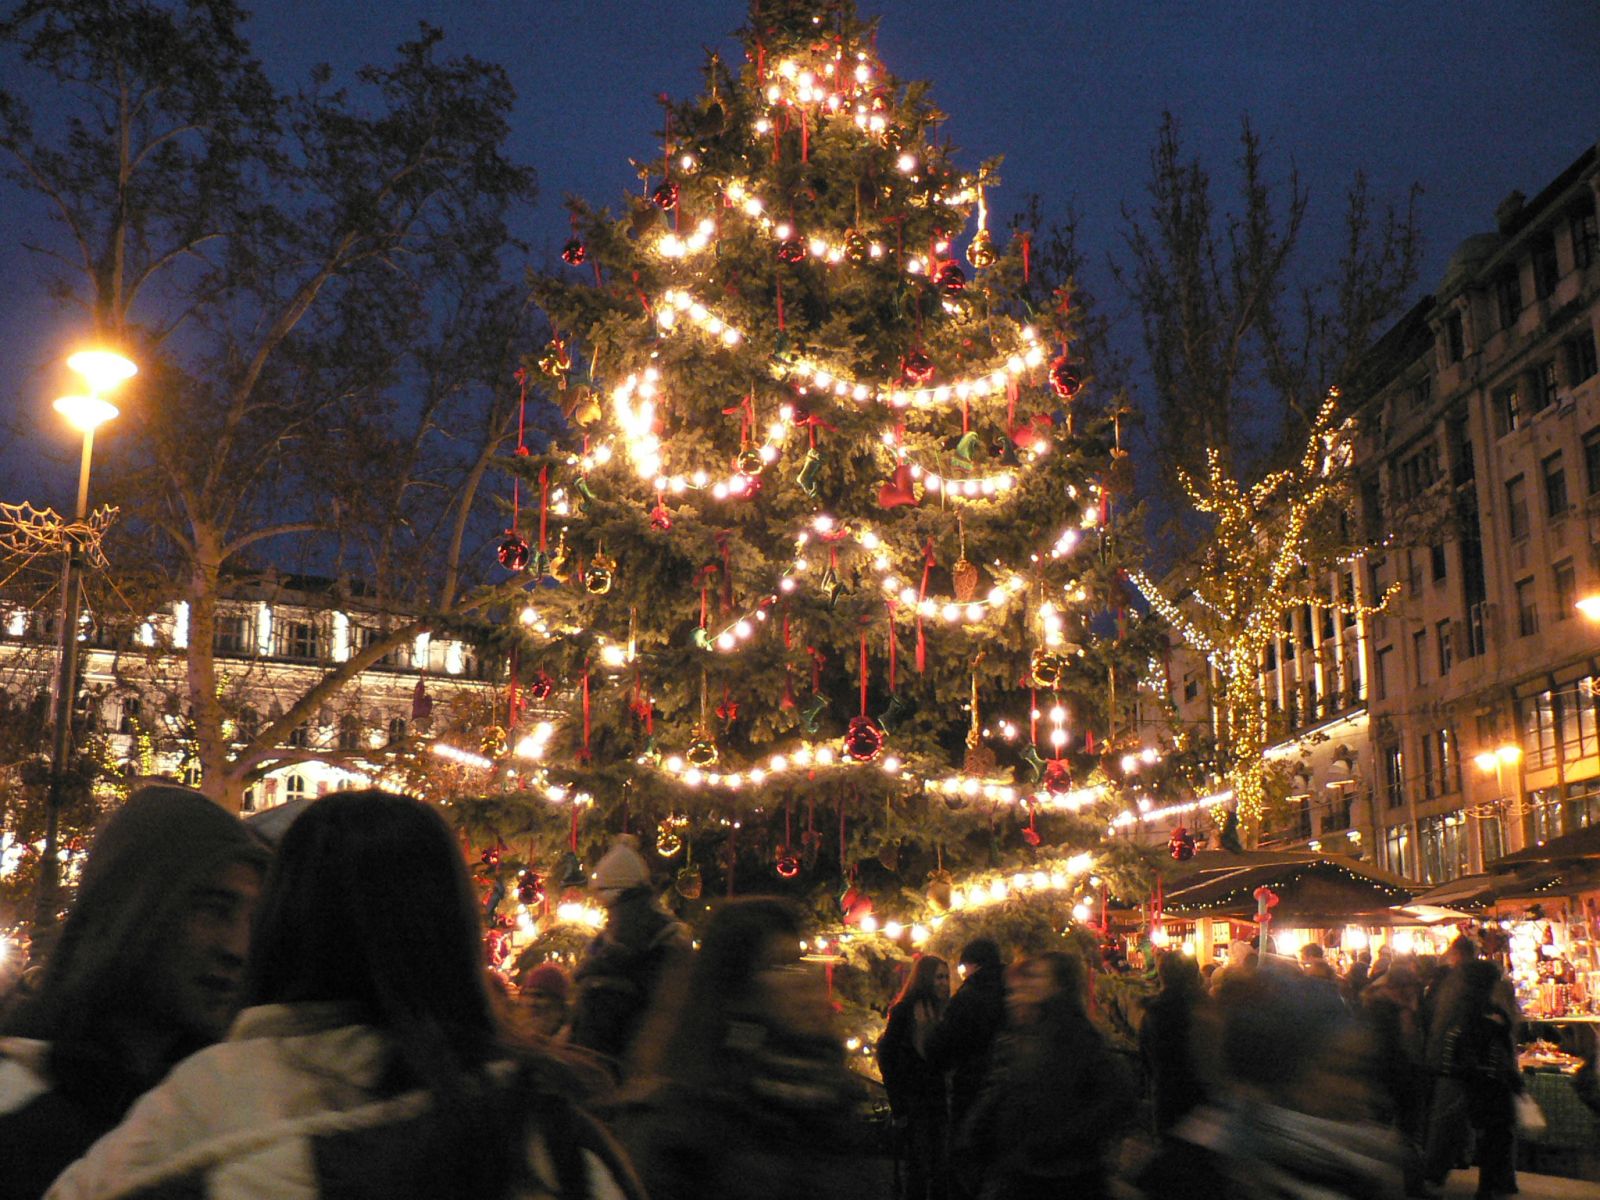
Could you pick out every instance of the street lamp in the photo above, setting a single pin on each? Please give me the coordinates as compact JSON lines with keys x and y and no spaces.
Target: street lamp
{"x":1589,"y":606}
{"x":102,"y":371}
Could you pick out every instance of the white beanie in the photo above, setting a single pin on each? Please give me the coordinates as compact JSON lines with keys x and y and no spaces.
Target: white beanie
{"x":622,"y":867}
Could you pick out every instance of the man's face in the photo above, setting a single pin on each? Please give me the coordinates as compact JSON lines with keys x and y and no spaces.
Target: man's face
{"x":198,"y":977}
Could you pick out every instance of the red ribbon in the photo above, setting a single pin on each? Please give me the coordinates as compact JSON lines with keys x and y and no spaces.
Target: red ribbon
{"x":584,"y":754}
{"x":780,"y":304}
{"x":1027,"y":257}
{"x":893,"y":652}
{"x":863,"y":672}
{"x":522,"y":447}
{"x":805,"y":138}
{"x":704,"y":577}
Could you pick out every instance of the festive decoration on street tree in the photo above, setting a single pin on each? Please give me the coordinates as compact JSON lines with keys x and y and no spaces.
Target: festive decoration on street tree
{"x":1181,"y":844}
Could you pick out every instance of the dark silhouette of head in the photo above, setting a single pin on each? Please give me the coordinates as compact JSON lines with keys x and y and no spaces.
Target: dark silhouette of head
{"x":981,"y":954}
{"x":928,"y":982}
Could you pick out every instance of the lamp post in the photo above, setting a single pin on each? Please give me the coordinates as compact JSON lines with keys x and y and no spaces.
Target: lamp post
{"x":1495,"y":761}
{"x":102,"y":371}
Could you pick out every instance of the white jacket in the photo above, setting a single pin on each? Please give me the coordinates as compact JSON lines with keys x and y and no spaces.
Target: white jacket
{"x":242,"y":1119}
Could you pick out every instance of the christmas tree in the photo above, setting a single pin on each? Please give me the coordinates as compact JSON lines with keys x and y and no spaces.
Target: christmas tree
{"x":826,"y":594}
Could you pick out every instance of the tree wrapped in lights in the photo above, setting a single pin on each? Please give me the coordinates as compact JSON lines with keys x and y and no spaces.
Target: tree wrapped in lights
{"x":830,"y":601}
{"x":1270,"y":550}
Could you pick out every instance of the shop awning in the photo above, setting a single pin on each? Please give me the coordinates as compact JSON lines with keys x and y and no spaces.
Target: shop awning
{"x":1569,"y":847}
{"x":1312,"y":890}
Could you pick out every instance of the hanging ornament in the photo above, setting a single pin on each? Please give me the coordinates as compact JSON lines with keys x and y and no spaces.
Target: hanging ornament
{"x":900,"y":710}
{"x":916,"y":368}
{"x":889,"y":856}
{"x":1181,"y":844}
{"x":980,"y":760}
{"x":669,"y":835}
{"x":556,"y":360}
{"x":811,"y":714}
{"x":898,"y":489}
{"x":530,"y":888}
{"x":660,"y":518}
{"x":951,"y":279}
{"x":810,"y":469}
{"x":856,"y":248}
{"x":1030,"y":755}
{"x":1030,"y":831}
{"x":540,"y":687}
{"x":863,"y":739}
{"x":574,"y":253}
{"x":964,"y":578}
{"x":586,"y":409}
{"x":513,"y":552}
{"x":1057,"y":777}
{"x":854,"y":905}
{"x":1065,"y":380}
{"x":689,"y":883}
{"x":571,"y":871}
{"x":786,"y":864}
{"x":941,"y":888}
{"x":832,"y":586}
{"x":966,"y":447}
{"x":493,"y":854}
{"x":749,"y":461}
{"x":1047,"y":668}
{"x":560,"y":566}
{"x":493,"y":742}
{"x":665,"y":196}
{"x":981,"y":252}
{"x":600,"y":574}
{"x":702,"y":751}
{"x":792,"y":252}
{"x":959,"y":307}
{"x":1118,"y":478}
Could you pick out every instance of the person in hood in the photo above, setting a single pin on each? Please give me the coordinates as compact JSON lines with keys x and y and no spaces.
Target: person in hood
{"x":370,"y":1061}
{"x":626,"y":961}
{"x":962,"y":1043}
{"x":148,"y":969}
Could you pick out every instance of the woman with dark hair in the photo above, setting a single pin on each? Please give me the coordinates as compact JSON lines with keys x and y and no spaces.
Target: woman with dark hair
{"x":1479,"y":1053}
{"x":740,"y":1088}
{"x":1168,"y":1038}
{"x":917,"y":1094}
{"x":1058,"y":1096}
{"x":369,"y":1062}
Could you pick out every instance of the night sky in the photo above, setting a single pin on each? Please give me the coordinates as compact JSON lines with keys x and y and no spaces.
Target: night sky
{"x":1469,"y":99}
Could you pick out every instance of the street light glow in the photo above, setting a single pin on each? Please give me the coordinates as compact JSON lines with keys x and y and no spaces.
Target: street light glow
{"x":102,"y":370}
{"x":1589,"y":606}
{"x":86,"y":413}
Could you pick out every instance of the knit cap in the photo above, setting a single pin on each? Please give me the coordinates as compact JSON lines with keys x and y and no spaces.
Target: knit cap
{"x":620,"y":869}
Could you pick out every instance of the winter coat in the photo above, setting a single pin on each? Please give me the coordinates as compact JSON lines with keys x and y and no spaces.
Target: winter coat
{"x":1056,"y":1100}
{"x":44,"y":1128}
{"x":963,"y":1041}
{"x":1167,"y":1049}
{"x":915,"y":1087}
{"x":290,"y":1107}
{"x":620,"y":971}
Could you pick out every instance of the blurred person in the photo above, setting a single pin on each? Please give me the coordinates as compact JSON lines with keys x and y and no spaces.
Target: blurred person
{"x":1242,"y":959}
{"x":1289,"y":1118}
{"x":626,"y":961}
{"x":369,"y":1061}
{"x":962,"y":1043}
{"x":1314,"y":965}
{"x":1391,"y":1010}
{"x":544,"y":994}
{"x":1167,"y":1040}
{"x":1058,"y":1096}
{"x":1478,"y":1062}
{"x":1357,"y":978}
{"x":148,"y":969}
{"x":740,"y":1089}
{"x":917,"y":1092}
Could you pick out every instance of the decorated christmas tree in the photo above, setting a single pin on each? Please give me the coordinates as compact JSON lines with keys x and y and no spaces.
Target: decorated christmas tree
{"x":826,"y":594}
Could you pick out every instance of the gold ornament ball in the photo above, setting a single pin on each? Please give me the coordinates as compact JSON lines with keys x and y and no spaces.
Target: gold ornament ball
{"x":702,"y":753}
{"x":964,"y":576}
{"x":981,"y":252}
{"x":1047,"y":668}
{"x":493,"y":743}
{"x":749,"y":461}
{"x":856,"y":248}
{"x":599,"y":575}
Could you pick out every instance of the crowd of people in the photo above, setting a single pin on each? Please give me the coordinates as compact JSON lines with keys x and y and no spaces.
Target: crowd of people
{"x":223,"y":1017}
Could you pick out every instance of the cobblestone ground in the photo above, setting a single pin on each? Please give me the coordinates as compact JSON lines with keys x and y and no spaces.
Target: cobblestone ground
{"x":1530,"y":1187}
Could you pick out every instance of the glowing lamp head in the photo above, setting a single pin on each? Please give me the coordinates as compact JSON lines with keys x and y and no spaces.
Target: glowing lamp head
{"x":1589,"y":607}
{"x":102,"y":370}
{"x":86,"y":413}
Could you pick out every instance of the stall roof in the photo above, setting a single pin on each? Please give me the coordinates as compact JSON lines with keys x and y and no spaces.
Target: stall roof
{"x":1569,"y":847}
{"x":1312,"y":890}
{"x":1529,"y":881}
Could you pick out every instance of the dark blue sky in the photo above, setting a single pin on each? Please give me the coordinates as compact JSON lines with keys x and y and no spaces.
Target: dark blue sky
{"x":1468,"y":98}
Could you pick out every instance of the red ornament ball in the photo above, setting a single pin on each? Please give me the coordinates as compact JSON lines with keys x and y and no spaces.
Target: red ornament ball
{"x":1065,"y":379}
{"x":1057,"y":777}
{"x":530,"y":888}
{"x":574,"y":253}
{"x":951,"y":279}
{"x":1181,"y":844}
{"x":787,"y":866}
{"x":665,"y":196}
{"x":660,"y":518}
{"x":916,"y":368}
{"x":854,"y":905}
{"x":863,"y":740}
{"x":513,"y":553}
{"x":792,"y":252}
{"x":541,"y":686}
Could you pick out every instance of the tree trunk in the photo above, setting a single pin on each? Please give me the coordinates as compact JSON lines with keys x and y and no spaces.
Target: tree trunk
{"x":205,"y":708}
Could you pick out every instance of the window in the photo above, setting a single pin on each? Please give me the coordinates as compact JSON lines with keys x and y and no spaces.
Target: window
{"x":1413,"y":574}
{"x":1527,"y":608}
{"x":1585,"y":238}
{"x":1419,"y":655}
{"x":1443,"y":845}
{"x":1492,"y":831}
{"x":366,"y":635}
{"x":248,"y":725}
{"x":1418,"y":472}
{"x":1583,"y":805}
{"x":1422,"y":392}
{"x":191,"y":775}
{"x":1394,"y":774}
{"x":1591,"y":461}
{"x":1446,"y":659}
{"x":397,"y":730}
{"x":232,"y":634}
{"x":1397,"y":849}
{"x":349,"y":732}
{"x":1536,"y":720}
{"x":1441,"y":766}
{"x":1455,"y":339}
{"x":1436,"y":557}
{"x":1508,"y":296}
{"x":1544,"y":815}
{"x":1555,"y":486}
{"x":299,"y":639}
{"x":1459,"y":434}
{"x":295,"y":787}
{"x":128,"y":718}
{"x":300,"y":737}
{"x":1566,"y":580}
{"x":1545,"y":271}
{"x":1517,"y":507}
{"x":1580,"y":358}
{"x":1544,"y":385}
{"x":1382,"y":681}
{"x":1191,"y":685}
{"x":1430,"y":768}
{"x":1507,"y":409}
